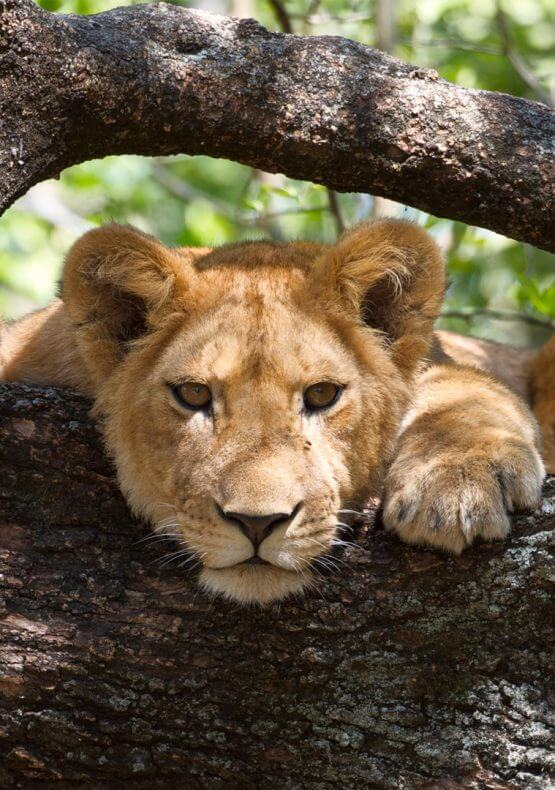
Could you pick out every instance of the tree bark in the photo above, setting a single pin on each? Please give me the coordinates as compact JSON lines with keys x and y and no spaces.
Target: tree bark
{"x":407,"y":669}
{"x":166,"y":80}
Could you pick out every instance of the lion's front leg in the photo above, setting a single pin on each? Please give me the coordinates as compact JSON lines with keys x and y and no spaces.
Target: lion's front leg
{"x":467,"y":457}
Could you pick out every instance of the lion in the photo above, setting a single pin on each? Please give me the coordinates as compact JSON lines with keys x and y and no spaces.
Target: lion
{"x":254,"y":395}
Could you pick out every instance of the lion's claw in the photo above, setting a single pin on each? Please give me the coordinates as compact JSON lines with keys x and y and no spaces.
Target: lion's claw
{"x":448,"y":504}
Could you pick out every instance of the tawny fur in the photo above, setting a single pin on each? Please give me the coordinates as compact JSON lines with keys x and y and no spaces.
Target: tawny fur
{"x":451,"y":449}
{"x":542,"y":391}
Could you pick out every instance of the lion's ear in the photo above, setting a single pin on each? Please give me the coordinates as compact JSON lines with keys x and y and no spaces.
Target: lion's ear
{"x":115,"y":282}
{"x":391,"y":274}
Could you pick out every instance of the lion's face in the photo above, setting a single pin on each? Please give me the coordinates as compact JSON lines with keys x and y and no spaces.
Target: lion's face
{"x":255,"y":450}
{"x":250,"y":411}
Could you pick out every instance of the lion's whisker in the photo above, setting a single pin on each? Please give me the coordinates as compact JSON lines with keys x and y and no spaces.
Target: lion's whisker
{"x":157,"y":536}
{"x":192,"y":562}
{"x":309,"y":579}
{"x":169,"y":558}
{"x":345,"y":544}
{"x":326,"y":562}
{"x":167,"y":523}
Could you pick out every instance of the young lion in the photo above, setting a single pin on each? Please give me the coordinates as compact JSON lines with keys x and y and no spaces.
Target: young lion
{"x":251,"y":392}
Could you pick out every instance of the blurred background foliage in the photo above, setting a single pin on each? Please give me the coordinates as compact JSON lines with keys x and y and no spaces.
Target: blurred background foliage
{"x":499,"y":289}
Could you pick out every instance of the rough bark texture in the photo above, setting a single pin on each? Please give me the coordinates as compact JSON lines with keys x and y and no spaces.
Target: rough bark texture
{"x":409,"y":670}
{"x":164,"y":80}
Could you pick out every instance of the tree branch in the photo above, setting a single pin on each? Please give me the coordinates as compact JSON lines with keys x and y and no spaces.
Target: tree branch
{"x":163,"y":80}
{"x":406,"y":669}
{"x":498,"y":315}
{"x":282,"y":15}
{"x":335,"y":208}
{"x":524,"y":72}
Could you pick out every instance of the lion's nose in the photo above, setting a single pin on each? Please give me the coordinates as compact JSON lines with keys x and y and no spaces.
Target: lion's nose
{"x":258,"y":527}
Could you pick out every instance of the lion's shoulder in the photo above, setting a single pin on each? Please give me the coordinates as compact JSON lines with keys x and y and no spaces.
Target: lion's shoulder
{"x":508,"y":364}
{"x":41,"y":349}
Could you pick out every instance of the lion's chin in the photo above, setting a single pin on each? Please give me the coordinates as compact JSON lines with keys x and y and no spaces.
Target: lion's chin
{"x":253,"y":584}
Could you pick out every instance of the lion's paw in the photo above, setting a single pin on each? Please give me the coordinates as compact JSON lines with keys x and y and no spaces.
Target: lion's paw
{"x":448,"y":502}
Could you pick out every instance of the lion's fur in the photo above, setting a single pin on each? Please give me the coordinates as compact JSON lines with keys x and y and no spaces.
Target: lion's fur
{"x":259,"y":322}
{"x":542,"y":393}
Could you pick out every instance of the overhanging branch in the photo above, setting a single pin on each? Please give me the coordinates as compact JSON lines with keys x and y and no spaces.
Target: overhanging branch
{"x":165,"y":80}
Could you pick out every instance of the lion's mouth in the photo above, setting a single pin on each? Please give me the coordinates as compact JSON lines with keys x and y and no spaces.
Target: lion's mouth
{"x":255,"y":560}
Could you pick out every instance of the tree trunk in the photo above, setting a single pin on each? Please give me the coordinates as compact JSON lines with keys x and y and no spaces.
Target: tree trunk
{"x":165,"y":80}
{"x":407,"y":669}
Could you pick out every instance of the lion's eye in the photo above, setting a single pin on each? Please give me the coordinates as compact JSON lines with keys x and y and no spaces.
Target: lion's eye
{"x":193,"y":395}
{"x":321,"y":395}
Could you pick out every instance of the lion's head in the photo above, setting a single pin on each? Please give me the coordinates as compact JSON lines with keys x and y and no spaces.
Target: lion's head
{"x":252,"y":392}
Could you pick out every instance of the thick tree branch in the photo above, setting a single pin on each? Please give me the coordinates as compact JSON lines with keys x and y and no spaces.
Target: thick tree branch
{"x":407,"y":669}
{"x":162,"y":80}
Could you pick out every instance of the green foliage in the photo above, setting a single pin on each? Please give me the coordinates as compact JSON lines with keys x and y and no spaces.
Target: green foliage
{"x":200,"y":201}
